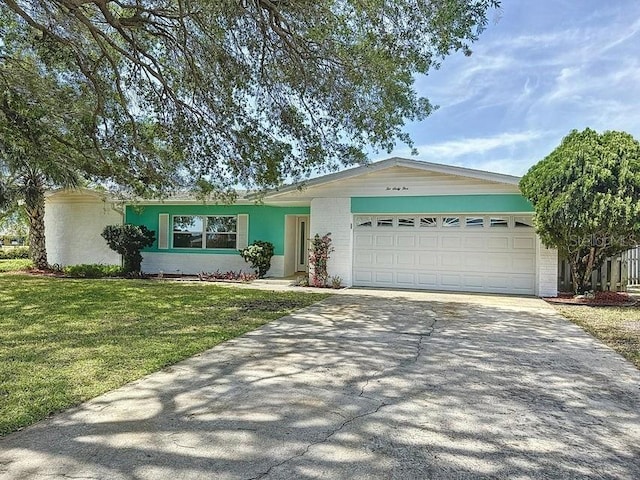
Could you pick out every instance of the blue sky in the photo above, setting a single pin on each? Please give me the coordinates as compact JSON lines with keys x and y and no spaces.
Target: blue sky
{"x":541,"y":69}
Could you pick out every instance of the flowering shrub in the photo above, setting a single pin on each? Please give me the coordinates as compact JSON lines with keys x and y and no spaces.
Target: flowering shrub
{"x":258,"y":255}
{"x":318,"y":258}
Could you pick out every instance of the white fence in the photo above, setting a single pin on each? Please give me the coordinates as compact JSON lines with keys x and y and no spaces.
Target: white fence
{"x":611,"y":276}
{"x":632,"y":260}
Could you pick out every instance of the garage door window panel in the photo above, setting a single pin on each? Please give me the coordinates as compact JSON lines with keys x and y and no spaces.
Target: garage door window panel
{"x":474,"y":222}
{"x":364,"y":222}
{"x":523,"y":222}
{"x":384,"y":222}
{"x":406,"y":222}
{"x":428,"y":222}
{"x":451,"y":222}
{"x":498,"y":222}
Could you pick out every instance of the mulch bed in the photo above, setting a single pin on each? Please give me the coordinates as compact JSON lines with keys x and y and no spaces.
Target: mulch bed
{"x":600,"y":299}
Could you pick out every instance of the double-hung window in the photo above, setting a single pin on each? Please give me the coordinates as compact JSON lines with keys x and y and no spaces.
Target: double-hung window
{"x":199,"y":231}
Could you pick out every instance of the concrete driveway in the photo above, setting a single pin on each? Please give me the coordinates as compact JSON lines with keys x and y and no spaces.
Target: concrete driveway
{"x":365,"y":385}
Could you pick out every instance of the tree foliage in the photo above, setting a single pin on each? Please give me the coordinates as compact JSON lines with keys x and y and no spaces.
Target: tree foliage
{"x":586,"y":195}
{"x":155,"y":95}
{"x":128,"y":240}
{"x":246,"y":91}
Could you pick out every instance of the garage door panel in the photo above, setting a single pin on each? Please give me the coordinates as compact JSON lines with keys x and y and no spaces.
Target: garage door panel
{"x":406,"y":279}
{"x":384,"y":277}
{"x":523,"y":243}
{"x":363,"y":240}
{"x":406,"y":241}
{"x":523,"y":283}
{"x":474,"y":261}
{"x":474,"y":243}
{"x":498,"y":243}
{"x":427,"y":280}
{"x":427,"y":242}
{"x":363,"y":258}
{"x":383,"y":240}
{"x":498,"y":282}
{"x":446,"y":258}
{"x":451,"y":280}
{"x":449,"y":261}
{"x":383,"y":259}
{"x":499,"y":262}
{"x":363,"y":277}
{"x":427,"y":259}
{"x":405,"y":259}
{"x":473,"y":282}
{"x":523,"y":262}
{"x":450,"y":242}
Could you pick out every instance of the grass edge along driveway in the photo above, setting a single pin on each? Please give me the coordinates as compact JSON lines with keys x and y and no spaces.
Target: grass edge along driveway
{"x":617,"y":327}
{"x":65,"y":341}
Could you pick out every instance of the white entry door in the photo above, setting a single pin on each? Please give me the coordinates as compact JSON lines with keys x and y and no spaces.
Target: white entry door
{"x":474,"y":253}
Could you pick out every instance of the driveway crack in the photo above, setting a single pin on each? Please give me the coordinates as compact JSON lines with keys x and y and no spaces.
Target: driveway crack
{"x":421,"y":337}
{"x":313,"y":444}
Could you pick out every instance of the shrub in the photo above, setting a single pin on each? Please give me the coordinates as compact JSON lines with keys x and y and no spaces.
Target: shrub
{"x":319,"y":256}
{"x":93,"y":270}
{"x":258,"y":255}
{"x":128,"y":240}
{"x":336,"y":281}
{"x":13,"y":253}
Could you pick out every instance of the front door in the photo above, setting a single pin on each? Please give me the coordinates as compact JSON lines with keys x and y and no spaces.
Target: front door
{"x":302,"y":244}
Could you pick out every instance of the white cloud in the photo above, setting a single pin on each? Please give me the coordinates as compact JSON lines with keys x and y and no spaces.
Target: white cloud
{"x":476,"y":145}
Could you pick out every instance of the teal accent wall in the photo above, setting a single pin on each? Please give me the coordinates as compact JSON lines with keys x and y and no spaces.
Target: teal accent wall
{"x":265,"y":222}
{"x":442,"y":204}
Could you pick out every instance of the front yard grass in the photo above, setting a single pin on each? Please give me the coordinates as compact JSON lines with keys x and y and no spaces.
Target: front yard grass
{"x":618,"y":327}
{"x":14,"y":265}
{"x":64,"y":341}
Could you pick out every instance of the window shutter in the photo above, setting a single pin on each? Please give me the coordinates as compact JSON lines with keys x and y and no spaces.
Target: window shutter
{"x":163,"y":231}
{"x":242,"y":231}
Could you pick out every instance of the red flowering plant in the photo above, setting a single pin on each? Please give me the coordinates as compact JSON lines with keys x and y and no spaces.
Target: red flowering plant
{"x":319,"y":253}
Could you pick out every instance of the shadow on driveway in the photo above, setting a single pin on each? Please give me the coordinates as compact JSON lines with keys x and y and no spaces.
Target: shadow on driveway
{"x":362,"y":387}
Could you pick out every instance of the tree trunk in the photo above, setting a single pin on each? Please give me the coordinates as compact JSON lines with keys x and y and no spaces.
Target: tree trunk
{"x":575,"y":275}
{"x":34,"y":205}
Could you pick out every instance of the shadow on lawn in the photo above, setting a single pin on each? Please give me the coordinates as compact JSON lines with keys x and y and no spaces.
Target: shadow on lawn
{"x":362,"y":387}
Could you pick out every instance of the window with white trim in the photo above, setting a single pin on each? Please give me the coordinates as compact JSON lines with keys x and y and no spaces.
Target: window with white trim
{"x":199,"y":231}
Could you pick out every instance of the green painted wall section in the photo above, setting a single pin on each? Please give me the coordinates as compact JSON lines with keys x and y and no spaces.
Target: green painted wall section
{"x":442,"y":204}
{"x":265,"y":222}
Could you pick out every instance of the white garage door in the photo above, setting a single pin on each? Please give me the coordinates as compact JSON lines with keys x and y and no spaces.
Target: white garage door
{"x":494,"y":253}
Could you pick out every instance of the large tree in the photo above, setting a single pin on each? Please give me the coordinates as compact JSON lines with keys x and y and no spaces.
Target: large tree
{"x":252,"y":91}
{"x":586,"y":196}
{"x":156,"y":94}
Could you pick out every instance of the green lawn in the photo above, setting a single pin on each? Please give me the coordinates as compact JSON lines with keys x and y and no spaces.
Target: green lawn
{"x":63,"y":341}
{"x":618,"y":327}
{"x":15,"y":265}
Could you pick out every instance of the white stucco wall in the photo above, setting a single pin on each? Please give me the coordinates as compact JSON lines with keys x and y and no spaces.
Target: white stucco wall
{"x":73,"y":224}
{"x":194,"y":263}
{"x":546,"y":270}
{"x":333,"y":215}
